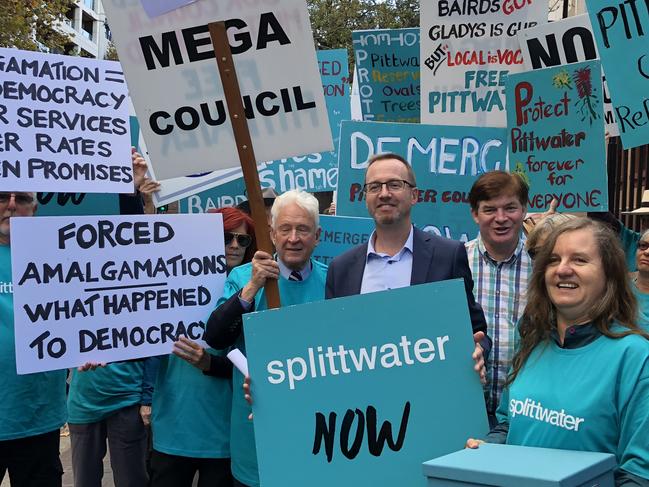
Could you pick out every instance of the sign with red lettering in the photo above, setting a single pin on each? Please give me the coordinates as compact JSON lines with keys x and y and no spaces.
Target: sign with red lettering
{"x":170,"y":66}
{"x":467,"y":51}
{"x":555,"y":128}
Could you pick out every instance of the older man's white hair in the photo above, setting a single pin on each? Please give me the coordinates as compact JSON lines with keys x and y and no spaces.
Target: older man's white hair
{"x":304,"y":200}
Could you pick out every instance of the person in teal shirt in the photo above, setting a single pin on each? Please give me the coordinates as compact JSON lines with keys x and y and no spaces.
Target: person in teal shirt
{"x":295,"y":232}
{"x":580,"y":376}
{"x":641,"y":280}
{"x":32,"y":409}
{"x":193,"y":394}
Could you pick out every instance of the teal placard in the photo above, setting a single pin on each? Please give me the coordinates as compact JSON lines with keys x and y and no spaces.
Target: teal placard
{"x":620,"y":30}
{"x":228,"y":194}
{"x":387,"y":65}
{"x":556,"y":140}
{"x":339,"y":234}
{"x":446,"y":160}
{"x":384,"y":387}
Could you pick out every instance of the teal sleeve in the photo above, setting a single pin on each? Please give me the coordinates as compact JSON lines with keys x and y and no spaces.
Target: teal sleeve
{"x":629,"y":240}
{"x":633,"y":447}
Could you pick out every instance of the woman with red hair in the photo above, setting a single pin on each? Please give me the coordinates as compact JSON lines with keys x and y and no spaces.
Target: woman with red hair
{"x":192,"y":403}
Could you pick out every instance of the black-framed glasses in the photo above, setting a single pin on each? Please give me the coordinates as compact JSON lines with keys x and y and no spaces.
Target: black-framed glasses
{"x":643,"y":246}
{"x":21,"y":199}
{"x":243,"y":239}
{"x":393,"y":185}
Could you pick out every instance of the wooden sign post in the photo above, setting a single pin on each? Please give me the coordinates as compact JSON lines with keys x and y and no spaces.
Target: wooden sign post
{"x":234,"y":101}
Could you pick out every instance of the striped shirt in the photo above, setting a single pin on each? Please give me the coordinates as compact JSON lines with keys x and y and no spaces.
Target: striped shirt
{"x":500,"y":288}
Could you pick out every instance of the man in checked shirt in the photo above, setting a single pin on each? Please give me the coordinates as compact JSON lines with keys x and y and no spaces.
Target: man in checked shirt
{"x":500,"y":266}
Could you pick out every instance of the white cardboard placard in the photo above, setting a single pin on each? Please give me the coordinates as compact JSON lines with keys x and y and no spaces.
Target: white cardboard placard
{"x":177,"y":92}
{"x":102,"y":289}
{"x":64,"y":124}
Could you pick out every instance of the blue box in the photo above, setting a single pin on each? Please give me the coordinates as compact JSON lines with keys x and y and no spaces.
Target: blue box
{"x":521,"y":466}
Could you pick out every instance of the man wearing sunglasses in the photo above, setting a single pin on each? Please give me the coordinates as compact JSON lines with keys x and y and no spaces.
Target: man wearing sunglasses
{"x":398,"y":254}
{"x":33,"y":406}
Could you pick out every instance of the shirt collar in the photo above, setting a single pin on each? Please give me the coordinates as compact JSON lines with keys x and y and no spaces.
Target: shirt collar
{"x":285,"y":272}
{"x":576,"y":336}
{"x":511,"y":259}
{"x":407,"y":245}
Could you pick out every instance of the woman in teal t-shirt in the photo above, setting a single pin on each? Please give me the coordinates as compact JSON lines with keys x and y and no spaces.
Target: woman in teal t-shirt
{"x":580,"y":377}
{"x":641,"y":280}
{"x":191,"y":410}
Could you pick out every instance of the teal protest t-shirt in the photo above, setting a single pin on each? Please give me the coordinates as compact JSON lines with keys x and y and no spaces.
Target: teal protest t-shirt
{"x":190,"y":411}
{"x":593,"y":398}
{"x":643,"y":307}
{"x":242,"y":438}
{"x":31,"y":404}
{"x":97,"y":394}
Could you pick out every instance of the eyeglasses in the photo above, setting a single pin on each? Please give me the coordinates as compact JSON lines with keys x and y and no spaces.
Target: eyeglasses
{"x":393,"y":185}
{"x":22,"y":200}
{"x":243,"y":239}
{"x":643,"y":246}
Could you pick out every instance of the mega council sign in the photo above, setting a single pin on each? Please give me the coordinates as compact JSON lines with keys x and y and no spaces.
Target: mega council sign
{"x":173,"y":78}
{"x":111,"y":288}
{"x":358,"y":413}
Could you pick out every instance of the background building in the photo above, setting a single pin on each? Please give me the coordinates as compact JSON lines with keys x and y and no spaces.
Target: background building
{"x":86,"y":25}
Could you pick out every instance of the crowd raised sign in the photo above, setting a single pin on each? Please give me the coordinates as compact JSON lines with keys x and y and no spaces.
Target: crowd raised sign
{"x":173,"y":78}
{"x":103,"y":289}
{"x":467,"y":51}
{"x":369,"y":401}
{"x":63,"y":124}
{"x":622,"y":33}
{"x":387,"y":63}
{"x":565,"y":41}
{"x":556,"y":136}
{"x":446,"y":160}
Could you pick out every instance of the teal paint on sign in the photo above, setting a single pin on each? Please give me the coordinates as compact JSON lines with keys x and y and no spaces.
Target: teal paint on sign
{"x":77,"y":204}
{"x":620,"y":30}
{"x":446,"y":160}
{"x":387,"y":63}
{"x":228,"y":194}
{"x":339,"y":234}
{"x":362,"y":390}
{"x":556,"y":140}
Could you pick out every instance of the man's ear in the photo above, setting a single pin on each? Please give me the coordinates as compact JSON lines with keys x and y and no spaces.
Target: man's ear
{"x":318,"y":232}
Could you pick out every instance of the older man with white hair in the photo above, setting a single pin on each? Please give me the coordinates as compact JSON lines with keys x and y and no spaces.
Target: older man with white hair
{"x":33,"y":406}
{"x":295,"y":232}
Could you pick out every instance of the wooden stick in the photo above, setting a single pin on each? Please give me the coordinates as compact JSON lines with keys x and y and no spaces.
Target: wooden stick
{"x":244,"y":147}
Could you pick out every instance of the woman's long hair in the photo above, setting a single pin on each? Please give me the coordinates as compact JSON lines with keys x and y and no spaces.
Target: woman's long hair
{"x":233,"y":218}
{"x":617,"y":304}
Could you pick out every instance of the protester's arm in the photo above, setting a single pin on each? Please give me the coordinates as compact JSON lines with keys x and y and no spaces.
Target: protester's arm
{"x":225,"y":324}
{"x":149,"y":375}
{"x":329,"y":285}
{"x":626,"y":479}
{"x":219,"y":367}
{"x":632,"y":404}
{"x":461,"y":269}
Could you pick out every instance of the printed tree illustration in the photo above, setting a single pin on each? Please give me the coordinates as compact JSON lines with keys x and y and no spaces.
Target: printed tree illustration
{"x":562,"y":80}
{"x":586,"y":93}
{"x":520,"y":170}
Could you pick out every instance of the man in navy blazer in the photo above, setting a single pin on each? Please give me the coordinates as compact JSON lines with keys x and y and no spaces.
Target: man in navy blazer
{"x":398,"y":254}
